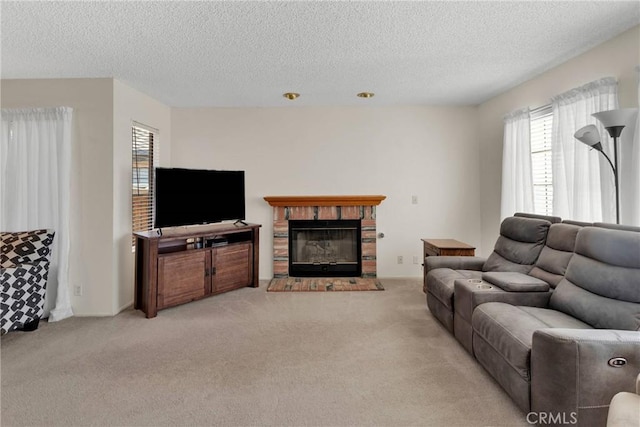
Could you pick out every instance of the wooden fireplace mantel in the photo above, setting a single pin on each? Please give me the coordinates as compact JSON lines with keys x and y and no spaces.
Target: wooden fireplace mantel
{"x":366,"y":200}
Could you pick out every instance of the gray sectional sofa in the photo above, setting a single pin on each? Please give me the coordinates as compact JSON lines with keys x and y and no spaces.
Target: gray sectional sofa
{"x":556,"y":321}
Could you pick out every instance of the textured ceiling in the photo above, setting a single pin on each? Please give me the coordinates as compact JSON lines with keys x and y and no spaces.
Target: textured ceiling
{"x":233,"y":53}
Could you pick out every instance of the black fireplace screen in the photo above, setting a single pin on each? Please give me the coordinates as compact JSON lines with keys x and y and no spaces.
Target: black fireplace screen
{"x":325,"y":248}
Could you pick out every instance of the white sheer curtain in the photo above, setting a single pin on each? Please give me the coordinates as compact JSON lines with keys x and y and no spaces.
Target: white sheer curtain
{"x":35,"y":162}
{"x":583,"y":183}
{"x":517,"y":180}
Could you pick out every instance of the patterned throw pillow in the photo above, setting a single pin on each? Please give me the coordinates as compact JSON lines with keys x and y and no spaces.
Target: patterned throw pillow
{"x":25,"y":247}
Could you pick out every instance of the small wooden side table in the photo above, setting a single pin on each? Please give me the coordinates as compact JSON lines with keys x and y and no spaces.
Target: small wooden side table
{"x":444,"y":247}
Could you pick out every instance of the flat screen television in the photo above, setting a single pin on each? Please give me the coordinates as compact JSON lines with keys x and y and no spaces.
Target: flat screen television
{"x":197,"y":196}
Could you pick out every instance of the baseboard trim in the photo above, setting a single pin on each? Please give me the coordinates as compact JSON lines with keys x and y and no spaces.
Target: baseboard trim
{"x":125,"y":306}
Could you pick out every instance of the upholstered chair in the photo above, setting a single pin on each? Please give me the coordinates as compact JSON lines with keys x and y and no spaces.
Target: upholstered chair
{"x":624,"y":410}
{"x":24,"y":269}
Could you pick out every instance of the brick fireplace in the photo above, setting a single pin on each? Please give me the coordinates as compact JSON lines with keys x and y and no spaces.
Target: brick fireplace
{"x":324,"y":209}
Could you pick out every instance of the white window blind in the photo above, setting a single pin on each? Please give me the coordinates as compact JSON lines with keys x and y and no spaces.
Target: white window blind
{"x":541,"y":124}
{"x":144,"y":153}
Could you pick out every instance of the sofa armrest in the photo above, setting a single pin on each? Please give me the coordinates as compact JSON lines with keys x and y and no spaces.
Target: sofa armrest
{"x":573,"y":371}
{"x":453,"y":262}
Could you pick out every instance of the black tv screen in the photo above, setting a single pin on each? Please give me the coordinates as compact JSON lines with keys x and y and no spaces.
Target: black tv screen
{"x":197,"y":196}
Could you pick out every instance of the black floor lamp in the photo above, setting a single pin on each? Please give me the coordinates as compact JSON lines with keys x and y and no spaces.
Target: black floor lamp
{"x":614,"y":121}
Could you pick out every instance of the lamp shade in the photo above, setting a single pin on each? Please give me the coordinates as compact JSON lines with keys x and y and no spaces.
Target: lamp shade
{"x":589,"y":135}
{"x":620,"y":117}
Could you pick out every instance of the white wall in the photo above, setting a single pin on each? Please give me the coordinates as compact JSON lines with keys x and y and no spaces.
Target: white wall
{"x":91,"y":255}
{"x":130,"y":105}
{"x":101,"y":261}
{"x":430,"y":152}
{"x":617,"y":58}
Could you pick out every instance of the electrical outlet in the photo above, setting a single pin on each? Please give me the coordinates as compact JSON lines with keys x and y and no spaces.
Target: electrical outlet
{"x":77,"y":290}
{"x":400,"y":259}
{"x":416,"y":260}
{"x":414,"y":200}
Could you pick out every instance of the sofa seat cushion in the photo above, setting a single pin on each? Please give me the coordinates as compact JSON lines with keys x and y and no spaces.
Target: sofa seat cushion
{"x":509,"y":330}
{"x":441,"y":283}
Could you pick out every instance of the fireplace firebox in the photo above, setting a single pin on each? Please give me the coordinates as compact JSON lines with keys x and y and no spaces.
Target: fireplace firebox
{"x":325,"y":248}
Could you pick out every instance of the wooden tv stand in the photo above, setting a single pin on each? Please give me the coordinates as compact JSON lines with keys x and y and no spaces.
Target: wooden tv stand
{"x":189,"y":263}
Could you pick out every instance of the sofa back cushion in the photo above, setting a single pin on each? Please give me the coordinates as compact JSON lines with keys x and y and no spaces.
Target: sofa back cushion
{"x":616,"y":226}
{"x":556,"y":253}
{"x":580,"y":223}
{"x":551,"y":219}
{"x":25,"y":247}
{"x":602,"y":284}
{"x":519,"y":244}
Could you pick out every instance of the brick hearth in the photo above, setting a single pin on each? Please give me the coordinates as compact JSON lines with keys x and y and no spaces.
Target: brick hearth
{"x":287,"y":208}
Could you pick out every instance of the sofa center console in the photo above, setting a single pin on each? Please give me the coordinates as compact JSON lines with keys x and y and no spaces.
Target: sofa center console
{"x":515,"y":282}
{"x":470,"y":293}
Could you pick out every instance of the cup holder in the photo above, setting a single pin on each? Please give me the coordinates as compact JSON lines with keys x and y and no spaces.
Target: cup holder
{"x":480,"y":284}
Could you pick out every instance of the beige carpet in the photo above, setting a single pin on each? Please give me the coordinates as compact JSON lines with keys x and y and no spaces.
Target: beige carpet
{"x":253,"y":358}
{"x":326,"y":284}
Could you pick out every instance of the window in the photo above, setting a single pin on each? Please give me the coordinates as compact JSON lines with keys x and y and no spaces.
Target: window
{"x":143,"y":140}
{"x":541,"y":124}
